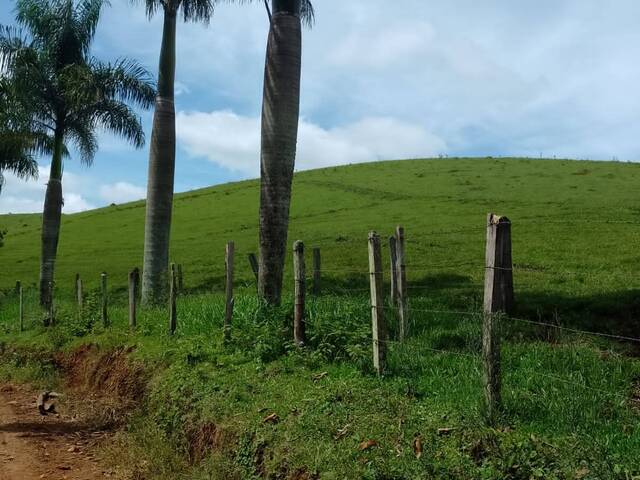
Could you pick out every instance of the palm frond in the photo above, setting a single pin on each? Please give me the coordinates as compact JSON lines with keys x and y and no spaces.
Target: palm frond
{"x":87,"y":15}
{"x":197,"y":10}
{"x":83,"y":137}
{"x":119,"y":119}
{"x":150,"y":6}
{"x":12,"y":44}
{"x":125,"y":80}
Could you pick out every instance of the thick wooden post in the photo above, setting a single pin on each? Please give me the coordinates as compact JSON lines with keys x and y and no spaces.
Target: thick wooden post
{"x":21,"y":306}
{"x":105,"y":299}
{"x":317,"y":273}
{"x":180,"y":279}
{"x":172,"y":300}
{"x":299,"y":334}
{"x":378,"y":327}
{"x":79,"y":293}
{"x":253,"y":261}
{"x":133,"y":299}
{"x":498,"y":300}
{"x":229,"y":300}
{"x":401,"y":283}
{"x":393,"y":269}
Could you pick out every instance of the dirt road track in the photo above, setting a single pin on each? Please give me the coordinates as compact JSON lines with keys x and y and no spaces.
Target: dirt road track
{"x":36,"y":447}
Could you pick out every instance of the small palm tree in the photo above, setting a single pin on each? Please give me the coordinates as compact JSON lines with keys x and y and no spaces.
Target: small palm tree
{"x":71,"y":93}
{"x":162,"y":151}
{"x":280,"y":112}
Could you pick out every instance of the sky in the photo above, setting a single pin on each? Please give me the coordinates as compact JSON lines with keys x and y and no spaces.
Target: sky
{"x":381,"y":80}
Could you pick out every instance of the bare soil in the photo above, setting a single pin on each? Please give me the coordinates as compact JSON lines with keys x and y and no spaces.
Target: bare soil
{"x":56,"y":446}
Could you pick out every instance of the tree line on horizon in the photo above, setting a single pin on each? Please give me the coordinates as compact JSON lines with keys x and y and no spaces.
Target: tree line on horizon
{"x":54,"y":93}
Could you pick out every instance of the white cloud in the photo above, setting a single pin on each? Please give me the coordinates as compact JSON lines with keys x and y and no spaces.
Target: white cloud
{"x":232,"y":141}
{"x":20,"y":196}
{"x":121,"y":192}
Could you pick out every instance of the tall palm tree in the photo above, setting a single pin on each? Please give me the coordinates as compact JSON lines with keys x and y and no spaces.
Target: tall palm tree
{"x":162,"y":151}
{"x":72,"y":93}
{"x":280,"y":112}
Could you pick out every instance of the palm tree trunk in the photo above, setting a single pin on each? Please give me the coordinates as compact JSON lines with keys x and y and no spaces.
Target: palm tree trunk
{"x":51,"y":218}
{"x":162,"y":159}
{"x":280,"y":112}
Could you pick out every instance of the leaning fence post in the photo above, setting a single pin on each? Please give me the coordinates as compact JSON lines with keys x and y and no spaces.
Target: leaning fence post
{"x":393,"y":257}
{"x":378,"y":327}
{"x":79,"y":294}
{"x":105,"y":299}
{"x":172,"y":300}
{"x":498,"y":300}
{"x":133,"y":294}
{"x":401,"y":284}
{"x":253,"y":261}
{"x":317,"y":273}
{"x":180,"y":279}
{"x":229,"y":300}
{"x":21,"y":306}
{"x":299,"y":291}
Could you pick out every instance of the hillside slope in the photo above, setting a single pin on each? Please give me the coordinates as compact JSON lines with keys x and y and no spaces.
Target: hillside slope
{"x":568,"y":216}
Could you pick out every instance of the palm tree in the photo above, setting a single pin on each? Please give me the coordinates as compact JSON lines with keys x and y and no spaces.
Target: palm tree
{"x":162,"y":151}
{"x":20,"y":139}
{"x":280,"y":112}
{"x":72,"y":94}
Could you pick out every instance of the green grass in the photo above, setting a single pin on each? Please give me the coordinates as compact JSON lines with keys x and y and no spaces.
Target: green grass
{"x":568,"y":404}
{"x":570,"y":400}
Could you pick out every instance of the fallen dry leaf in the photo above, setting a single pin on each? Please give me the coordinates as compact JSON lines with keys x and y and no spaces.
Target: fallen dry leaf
{"x":272,"y":418}
{"x":582,"y":472}
{"x":417,"y":446}
{"x":367,"y":444}
{"x":319,"y":376}
{"x":444,"y":431}
{"x":342,"y":432}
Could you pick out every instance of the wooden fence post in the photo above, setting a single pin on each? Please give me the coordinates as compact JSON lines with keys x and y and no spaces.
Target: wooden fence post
{"x":180,"y":279}
{"x":498,"y":300}
{"x":299,"y":335}
{"x":393,"y":257}
{"x":229,"y":300}
{"x":317,"y":272}
{"x":378,"y":327}
{"x":105,"y":299}
{"x":79,"y":293}
{"x":253,"y":261}
{"x":133,"y":299}
{"x":172,"y":300}
{"x":21,"y":306}
{"x":401,"y":283}
{"x":136,"y":272}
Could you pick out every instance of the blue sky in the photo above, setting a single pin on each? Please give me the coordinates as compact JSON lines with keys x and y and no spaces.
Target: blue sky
{"x":426,"y":78}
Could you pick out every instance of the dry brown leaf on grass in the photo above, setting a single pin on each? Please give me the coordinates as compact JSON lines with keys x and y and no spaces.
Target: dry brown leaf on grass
{"x":342,"y":432}
{"x":444,"y":431}
{"x":272,"y":418}
{"x":319,"y":376}
{"x":367,"y":444}
{"x":417,"y":446}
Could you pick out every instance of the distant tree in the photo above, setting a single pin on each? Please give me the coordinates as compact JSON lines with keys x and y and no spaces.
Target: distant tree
{"x":51,"y":70}
{"x":162,"y":150}
{"x":280,"y":113}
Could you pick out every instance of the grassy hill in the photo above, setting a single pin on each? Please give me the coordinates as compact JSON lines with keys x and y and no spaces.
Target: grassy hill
{"x":568,"y":216}
{"x":571,"y":400}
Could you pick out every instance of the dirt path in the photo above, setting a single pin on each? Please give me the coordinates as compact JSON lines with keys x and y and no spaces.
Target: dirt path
{"x":50,"y":447}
